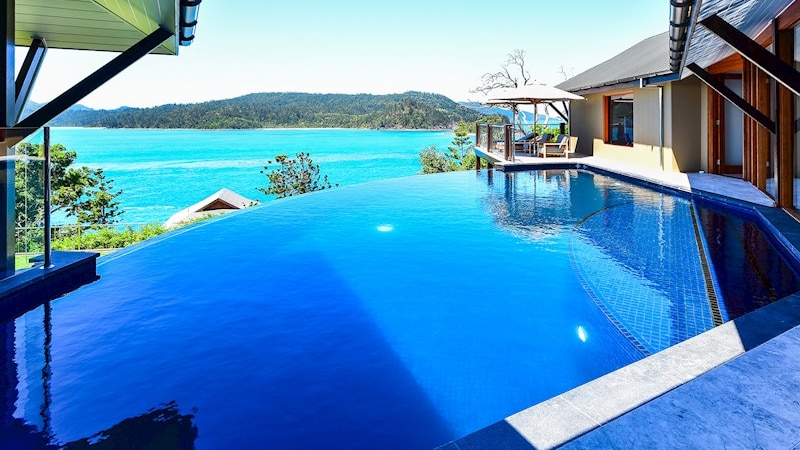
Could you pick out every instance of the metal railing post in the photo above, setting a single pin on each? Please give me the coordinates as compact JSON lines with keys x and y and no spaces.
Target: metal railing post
{"x":509,"y":135}
{"x":47,"y":231}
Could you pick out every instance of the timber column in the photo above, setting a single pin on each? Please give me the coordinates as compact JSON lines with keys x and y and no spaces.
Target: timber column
{"x":8,"y":101}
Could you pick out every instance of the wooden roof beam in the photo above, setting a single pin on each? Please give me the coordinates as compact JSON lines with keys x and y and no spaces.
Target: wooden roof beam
{"x":732,"y":97}
{"x":753,"y":52}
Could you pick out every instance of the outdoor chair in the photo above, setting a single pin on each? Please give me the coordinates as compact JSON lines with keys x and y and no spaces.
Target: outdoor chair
{"x":533,"y":145}
{"x":561,"y":148}
{"x":526,"y":143}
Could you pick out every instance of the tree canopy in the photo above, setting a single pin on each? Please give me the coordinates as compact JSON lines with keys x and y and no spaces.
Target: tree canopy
{"x":80,"y":192}
{"x":293,"y":176}
{"x":460,"y":155}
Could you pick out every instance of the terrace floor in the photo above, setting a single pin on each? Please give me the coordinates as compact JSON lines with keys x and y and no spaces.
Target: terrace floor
{"x":735,"y":386}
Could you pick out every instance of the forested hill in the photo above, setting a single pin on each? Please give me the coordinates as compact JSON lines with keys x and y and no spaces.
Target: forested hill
{"x":278,"y":110}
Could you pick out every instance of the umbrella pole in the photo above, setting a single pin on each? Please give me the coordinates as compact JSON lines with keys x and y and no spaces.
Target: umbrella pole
{"x":535,"y":121}
{"x":569,"y":125}
{"x":513,"y":132}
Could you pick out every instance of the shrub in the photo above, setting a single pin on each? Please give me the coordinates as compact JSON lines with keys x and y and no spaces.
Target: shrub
{"x":107,"y":237}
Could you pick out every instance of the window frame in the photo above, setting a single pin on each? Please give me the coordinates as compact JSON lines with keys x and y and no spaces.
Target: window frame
{"x":608,"y":122}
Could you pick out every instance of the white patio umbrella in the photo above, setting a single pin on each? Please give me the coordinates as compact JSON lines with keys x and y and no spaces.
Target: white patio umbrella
{"x":530,"y":94}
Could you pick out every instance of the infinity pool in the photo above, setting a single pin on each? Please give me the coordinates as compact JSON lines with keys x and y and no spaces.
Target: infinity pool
{"x":394,"y":314}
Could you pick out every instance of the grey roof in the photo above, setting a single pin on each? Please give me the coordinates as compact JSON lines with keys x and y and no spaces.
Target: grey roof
{"x":645,"y":59}
{"x":220,"y":202}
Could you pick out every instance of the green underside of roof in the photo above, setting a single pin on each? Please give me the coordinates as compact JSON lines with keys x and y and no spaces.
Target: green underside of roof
{"x":104,"y":25}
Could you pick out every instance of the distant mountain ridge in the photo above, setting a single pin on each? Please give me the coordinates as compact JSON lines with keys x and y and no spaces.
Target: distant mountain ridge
{"x":409,"y":110}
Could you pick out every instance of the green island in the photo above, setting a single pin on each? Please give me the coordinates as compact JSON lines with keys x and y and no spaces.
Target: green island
{"x":409,"y":110}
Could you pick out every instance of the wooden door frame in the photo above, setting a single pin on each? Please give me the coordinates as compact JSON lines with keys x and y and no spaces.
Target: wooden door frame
{"x":716,"y":132}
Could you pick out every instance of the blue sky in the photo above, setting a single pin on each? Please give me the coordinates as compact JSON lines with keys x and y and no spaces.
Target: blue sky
{"x":441,"y":46}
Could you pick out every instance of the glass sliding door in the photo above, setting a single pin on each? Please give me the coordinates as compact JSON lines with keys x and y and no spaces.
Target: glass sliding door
{"x":796,"y":168}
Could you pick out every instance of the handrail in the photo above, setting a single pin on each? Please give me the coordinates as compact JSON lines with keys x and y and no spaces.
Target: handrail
{"x":48,"y":262}
{"x":500,"y":140}
{"x":34,"y":245}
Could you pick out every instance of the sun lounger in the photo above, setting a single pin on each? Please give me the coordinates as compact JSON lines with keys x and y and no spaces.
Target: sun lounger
{"x":533,"y":145}
{"x":562,"y":148}
{"x":525,"y":143}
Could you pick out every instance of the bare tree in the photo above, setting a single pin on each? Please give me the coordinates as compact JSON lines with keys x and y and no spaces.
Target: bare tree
{"x":512,"y":74}
{"x":563,"y":72}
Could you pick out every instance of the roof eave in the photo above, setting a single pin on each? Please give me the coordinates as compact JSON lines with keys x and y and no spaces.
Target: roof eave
{"x":633,"y":81}
{"x":105,"y":25}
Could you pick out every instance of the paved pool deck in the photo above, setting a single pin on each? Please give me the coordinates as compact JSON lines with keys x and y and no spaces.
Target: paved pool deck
{"x":735,"y":386}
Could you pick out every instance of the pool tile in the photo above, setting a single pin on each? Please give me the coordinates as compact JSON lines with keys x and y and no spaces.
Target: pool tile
{"x":633,"y":287}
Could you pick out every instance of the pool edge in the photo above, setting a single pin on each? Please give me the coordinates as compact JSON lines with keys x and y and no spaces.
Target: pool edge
{"x":565,"y":417}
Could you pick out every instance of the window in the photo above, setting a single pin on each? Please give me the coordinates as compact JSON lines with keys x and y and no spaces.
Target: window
{"x":620,"y":119}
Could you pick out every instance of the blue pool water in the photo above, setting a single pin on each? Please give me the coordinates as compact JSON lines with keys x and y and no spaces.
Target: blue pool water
{"x":393,"y":314}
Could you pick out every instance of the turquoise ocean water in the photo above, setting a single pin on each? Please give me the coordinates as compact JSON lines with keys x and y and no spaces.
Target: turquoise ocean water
{"x":163,"y":171}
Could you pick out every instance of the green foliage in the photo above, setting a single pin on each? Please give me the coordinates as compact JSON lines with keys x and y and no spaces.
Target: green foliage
{"x":463,"y":147}
{"x":495,"y":119}
{"x":293,"y":176}
{"x":98,"y":205}
{"x":275,"y":110}
{"x":105,"y":237}
{"x":201,"y":218}
{"x":433,"y":161}
{"x":29,"y":181}
{"x":81,"y":193}
{"x":459,"y":156}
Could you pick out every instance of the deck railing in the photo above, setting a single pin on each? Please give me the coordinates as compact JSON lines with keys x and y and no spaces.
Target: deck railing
{"x":30,"y":240}
{"x":496,"y":139}
{"x":30,"y":170}
{"x":499,"y":139}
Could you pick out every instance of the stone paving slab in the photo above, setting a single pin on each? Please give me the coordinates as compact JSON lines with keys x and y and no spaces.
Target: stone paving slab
{"x":751,"y":402}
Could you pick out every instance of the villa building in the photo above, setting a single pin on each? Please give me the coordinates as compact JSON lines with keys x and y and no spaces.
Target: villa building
{"x":221,"y":202}
{"x":637,"y":110}
{"x":716,"y":93}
